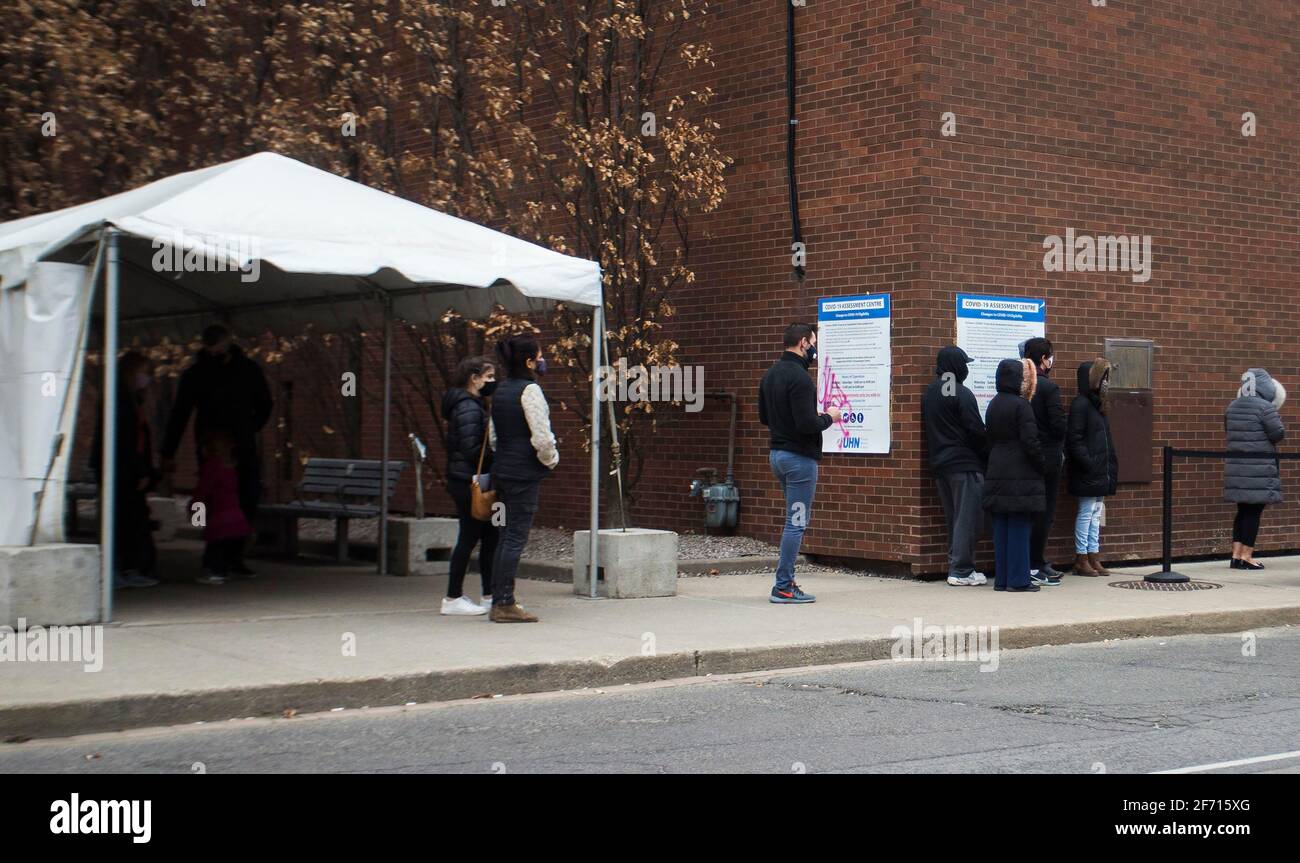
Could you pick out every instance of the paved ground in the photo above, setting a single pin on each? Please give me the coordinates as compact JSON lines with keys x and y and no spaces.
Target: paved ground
{"x":312,"y":636}
{"x":1118,"y":707}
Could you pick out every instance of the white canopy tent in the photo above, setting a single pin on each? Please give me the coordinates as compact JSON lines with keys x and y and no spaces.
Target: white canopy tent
{"x":260,"y":242}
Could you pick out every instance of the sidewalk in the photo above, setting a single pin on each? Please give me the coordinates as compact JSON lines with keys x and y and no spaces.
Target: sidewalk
{"x":184,"y":653}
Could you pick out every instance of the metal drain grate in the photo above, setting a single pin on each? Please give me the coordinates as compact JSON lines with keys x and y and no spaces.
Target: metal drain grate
{"x":1159,"y":585}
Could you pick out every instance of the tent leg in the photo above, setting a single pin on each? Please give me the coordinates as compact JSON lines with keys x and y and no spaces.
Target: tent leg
{"x":383,"y":469}
{"x":597,"y":328}
{"x":108,"y":459}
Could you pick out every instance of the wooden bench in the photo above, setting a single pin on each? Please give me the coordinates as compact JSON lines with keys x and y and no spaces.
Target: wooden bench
{"x":343,"y":489}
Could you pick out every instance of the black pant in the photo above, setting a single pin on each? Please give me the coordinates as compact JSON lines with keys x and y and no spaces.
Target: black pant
{"x":472,"y":531}
{"x":221,"y":555}
{"x":132,"y":532}
{"x":520,"y":500}
{"x":1042,"y":527}
{"x":1245,"y":527}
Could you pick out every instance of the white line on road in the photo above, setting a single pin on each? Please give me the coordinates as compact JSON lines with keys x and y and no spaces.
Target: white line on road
{"x":1240,"y":762}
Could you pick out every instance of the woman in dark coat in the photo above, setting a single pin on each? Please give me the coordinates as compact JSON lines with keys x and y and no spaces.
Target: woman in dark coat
{"x":1253,"y":425}
{"x":1094,"y":468}
{"x":467,"y":421}
{"x":1013,"y":483}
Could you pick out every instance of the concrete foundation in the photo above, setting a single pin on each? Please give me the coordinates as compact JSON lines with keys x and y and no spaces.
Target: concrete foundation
{"x":49,"y":585}
{"x":421,"y":546}
{"x":637,"y":562}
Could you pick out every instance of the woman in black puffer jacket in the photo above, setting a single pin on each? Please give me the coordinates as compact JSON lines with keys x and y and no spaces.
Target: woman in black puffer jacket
{"x":1013,"y":483}
{"x":462,"y":408}
{"x":1094,"y":467}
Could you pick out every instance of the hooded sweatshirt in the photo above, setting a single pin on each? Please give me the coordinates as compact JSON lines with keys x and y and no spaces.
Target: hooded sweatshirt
{"x":1252,"y":424}
{"x":954,"y":431}
{"x":1014,"y":481}
{"x":1089,"y":447}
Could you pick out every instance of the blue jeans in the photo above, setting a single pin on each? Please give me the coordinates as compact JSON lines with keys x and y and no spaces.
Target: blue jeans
{"x":1011,"y":532}
{"x":798,"y":476}
{"x":1087,"y":526}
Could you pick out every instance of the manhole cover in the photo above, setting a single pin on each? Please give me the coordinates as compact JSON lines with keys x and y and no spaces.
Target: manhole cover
{"x":1163,"y":585}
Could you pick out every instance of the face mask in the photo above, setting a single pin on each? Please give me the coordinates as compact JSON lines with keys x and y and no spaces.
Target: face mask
{"x":1105,"y":385}
{"x":811,"y":353}
{"x":487,"y":389}
{"x":540,"y":368}
{"x":1047,"y":365}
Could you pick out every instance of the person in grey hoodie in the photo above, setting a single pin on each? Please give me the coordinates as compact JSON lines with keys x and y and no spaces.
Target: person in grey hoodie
{"x":1253,"y":425}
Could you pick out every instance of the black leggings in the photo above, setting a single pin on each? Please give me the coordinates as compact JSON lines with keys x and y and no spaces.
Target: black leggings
{"x":472,"y":532}
{"x":1245,"y":527}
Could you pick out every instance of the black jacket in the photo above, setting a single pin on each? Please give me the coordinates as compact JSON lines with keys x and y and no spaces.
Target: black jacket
{"x":230,"y":395}
{"x":1014,"y":480}
{"x":787,"y":405}
{"x":134,"y":448}
{"x":1093,"y":467}
{"x":954,"y":431}
{"x":466,"y":423}
{"x":1051,"y":421}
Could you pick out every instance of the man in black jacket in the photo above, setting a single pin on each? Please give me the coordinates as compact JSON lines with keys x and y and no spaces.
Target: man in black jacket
{"x":958,"y":444}
{"x":227,"y":391}
{"x":787,"y":405}
{"x":1050,"y":417}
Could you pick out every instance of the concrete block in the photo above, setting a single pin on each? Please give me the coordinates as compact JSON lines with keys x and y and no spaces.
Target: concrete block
{"x":636,"y":562}
{"x":171,"y":515}
{"x":421,"y":546}
{"x":49,"y":585}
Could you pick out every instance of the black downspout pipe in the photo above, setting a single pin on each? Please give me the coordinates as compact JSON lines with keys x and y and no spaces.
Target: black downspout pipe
{"x":796,"y":231}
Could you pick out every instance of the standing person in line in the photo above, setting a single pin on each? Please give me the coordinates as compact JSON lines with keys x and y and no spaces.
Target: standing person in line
{"x":1252,"y":424}
{"x":1050,"y":417}
{"x":525,"y":454}
{"x":787,"y":405}
{"x":958,"y":445}
{"x":225,"y":526}
{"x":1094,"y":468}
{"x":467,"y":422}
{"x":227,"y":391}
{"x":1013,"y":485}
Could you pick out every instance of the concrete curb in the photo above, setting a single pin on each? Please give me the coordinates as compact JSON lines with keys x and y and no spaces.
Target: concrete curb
{"x":62,"y":719}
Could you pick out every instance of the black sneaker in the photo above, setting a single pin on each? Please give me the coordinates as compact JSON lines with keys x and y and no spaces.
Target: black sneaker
{"x":1028,"y":588}
{"x":241,"y":572}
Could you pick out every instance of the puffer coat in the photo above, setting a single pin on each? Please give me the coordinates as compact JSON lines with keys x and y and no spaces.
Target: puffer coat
{"x":466,"y":422}
{"x":1089,"y":446}
{"x":1014,"y":479}
{"x":1252,"y":424}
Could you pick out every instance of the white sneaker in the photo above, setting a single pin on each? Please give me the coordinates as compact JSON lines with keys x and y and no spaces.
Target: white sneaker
{"x":209,"y":578}
{"x":979,"y":578}
{"x":967,"y":581}
{"x":485,"y":603}
{"x":462,"y":606}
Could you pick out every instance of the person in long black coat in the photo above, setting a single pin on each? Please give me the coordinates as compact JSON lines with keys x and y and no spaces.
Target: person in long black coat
{"x":1093,"y":465}
{"x":1013,"y":483}
{"x":467,"y":421}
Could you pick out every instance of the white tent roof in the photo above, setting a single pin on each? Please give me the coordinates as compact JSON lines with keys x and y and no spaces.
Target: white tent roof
{"x":320,"y":240}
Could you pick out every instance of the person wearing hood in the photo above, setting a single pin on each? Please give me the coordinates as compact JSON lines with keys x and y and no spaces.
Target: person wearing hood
{"x":787,"y":405}
{"x":1051,"y":436}
{"x":1013,"y":485}
{"x":227,"y":391}
{"x":1093,"y":465}
{"x":466,"y":444}
{"x":958,"y":446}
{"x":1253,"y":425}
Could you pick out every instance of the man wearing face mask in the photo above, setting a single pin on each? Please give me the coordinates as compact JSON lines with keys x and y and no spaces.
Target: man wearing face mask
{"x":1051,"y":438}
{"x":787,"y":405}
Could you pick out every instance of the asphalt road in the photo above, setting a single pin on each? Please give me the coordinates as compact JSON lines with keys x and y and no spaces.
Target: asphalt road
{"x":1120,"y":707}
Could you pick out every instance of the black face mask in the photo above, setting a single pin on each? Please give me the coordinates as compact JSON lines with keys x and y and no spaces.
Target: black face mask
{"x":487,"y":389}
{"x":811,"y":353}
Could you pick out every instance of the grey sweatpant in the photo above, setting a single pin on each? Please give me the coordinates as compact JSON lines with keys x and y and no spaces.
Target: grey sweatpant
{"x":962,"y":496}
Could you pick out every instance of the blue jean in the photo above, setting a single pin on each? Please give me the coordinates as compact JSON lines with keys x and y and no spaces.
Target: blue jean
{"x":1011,"y":532}
{"x":798,"y":476}
{"x":1087,"y":526}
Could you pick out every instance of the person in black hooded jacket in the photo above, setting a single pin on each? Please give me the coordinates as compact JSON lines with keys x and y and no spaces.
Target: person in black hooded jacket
{"x":958,"y":445}
{"x":1013,"y":485}
{"x":466,"y":443}
{"x":1051,"y":435}
{"x":1094,"y":468}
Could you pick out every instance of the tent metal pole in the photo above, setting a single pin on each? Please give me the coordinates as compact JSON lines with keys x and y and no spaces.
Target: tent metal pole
{"x":108,"y":459}
{"x":597,"y":330}
{"x":383,"y":469}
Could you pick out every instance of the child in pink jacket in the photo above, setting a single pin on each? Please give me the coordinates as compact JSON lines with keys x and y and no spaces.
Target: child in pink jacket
{"x":225,"y":527}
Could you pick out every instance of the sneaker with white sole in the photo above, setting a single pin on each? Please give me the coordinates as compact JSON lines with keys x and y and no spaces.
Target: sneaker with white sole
{"x":963,"y":581}
{"x":485,"y":603}
{"x":461,"y":606}
{"x":210,"y":578}
{"x":979,"y":578}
